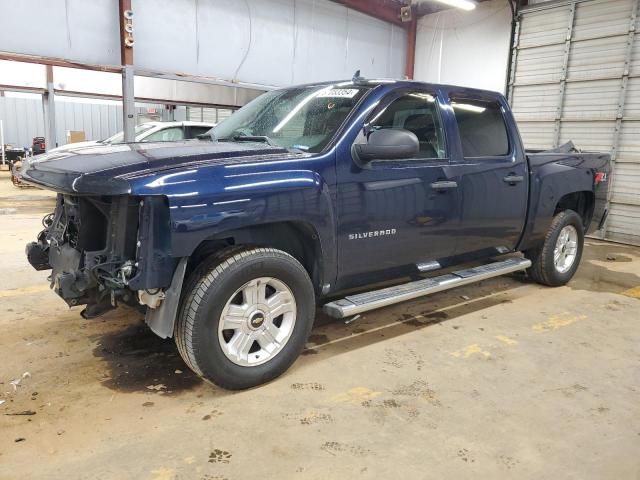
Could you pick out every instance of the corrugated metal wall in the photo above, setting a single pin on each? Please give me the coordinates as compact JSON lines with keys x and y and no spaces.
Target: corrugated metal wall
{"x":23,"y":119}
{"x":208,"y":114}
{"x":576,"y":76}
{"x":96,"y":121}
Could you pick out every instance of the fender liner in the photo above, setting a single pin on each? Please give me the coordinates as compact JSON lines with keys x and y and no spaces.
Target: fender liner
{"x":161,"y":320}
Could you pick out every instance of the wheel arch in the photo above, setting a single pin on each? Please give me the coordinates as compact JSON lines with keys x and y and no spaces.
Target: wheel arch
{"x":581,"y":202}
{"x":556,"y":184}
{"x":298,"y":238}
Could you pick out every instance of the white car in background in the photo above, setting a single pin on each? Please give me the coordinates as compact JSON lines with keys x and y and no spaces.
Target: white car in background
{"x":148,"y":132}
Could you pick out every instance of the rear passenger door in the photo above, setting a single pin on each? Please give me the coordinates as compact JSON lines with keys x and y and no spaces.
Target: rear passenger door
{"x":493,"y":175}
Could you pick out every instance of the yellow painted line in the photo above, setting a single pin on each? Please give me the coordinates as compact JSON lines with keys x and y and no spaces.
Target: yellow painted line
{"x":356,"y":395}
{"x":506,"y":340}
{"x":14,"y":292}
{"x":163,"y":473}
{"x":632,"y":292}
{"x":470,"y":350}
{"x":558,"y":321}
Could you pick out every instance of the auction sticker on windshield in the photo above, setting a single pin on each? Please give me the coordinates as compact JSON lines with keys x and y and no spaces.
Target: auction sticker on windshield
{"x":339,"y":92}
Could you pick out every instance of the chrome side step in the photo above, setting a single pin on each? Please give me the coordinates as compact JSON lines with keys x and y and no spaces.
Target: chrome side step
{"x":362,"y":302}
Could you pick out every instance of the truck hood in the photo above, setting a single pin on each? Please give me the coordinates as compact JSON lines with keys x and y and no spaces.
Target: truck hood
{"x":107,"y":169}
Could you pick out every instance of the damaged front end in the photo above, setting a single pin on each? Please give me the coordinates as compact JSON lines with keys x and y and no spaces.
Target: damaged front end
{"x":103,"y":250}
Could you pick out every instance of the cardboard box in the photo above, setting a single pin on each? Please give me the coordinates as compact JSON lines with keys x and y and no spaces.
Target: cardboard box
{"x":74,"y":136}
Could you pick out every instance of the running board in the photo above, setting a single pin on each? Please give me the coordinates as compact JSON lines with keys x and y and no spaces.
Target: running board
{"x":362,"y":302}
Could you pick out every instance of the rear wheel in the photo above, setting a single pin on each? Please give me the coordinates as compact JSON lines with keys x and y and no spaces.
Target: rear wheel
{"x":557,"y":260}
{"x":245,"y":317}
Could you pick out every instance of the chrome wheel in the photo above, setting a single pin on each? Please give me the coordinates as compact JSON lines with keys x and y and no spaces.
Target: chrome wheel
{"x":257,"y":321}
{"x":566,"y":249}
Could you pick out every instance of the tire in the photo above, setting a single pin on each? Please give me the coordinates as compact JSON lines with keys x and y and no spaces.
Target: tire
{"x":228,"y":283}
{"x":544,"y":269}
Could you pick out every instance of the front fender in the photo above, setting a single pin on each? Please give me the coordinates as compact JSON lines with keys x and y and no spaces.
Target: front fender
{"x":209,"y":209}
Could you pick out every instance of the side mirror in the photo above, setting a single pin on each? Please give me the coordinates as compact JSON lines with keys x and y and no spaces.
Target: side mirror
{"x":388,"y":144}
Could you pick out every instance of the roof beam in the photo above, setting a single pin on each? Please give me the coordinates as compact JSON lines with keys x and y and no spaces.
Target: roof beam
{"x":57,"y":62}
{"x":386,"y":10}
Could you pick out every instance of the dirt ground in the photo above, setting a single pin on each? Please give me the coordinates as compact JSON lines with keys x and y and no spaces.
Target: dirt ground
{"x":504,"y":379}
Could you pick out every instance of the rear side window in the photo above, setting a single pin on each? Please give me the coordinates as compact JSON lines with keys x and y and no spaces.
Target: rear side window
{"x":195,"y":131}
{"x":483,"y":132}
{"x":166,"y":135}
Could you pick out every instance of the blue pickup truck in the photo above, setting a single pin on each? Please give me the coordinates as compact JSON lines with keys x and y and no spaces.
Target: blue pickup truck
{"x":311,"y":195}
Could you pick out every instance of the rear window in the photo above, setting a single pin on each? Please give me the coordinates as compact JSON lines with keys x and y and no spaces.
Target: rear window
{"x":481,"y":125}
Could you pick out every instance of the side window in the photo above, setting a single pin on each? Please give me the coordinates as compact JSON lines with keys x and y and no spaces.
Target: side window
{"x":418,"y":113}
{"x":195,"y":131}
{"x":481,"y":125}
{"x":166,"y":135}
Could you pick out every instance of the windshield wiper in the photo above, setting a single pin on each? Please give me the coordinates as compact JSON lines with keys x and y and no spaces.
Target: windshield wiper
{"x":253,"y":138}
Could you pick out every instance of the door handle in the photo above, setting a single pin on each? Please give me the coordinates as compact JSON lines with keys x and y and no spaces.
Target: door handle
{"x":513,"y":179}
{"x":444,"y":185}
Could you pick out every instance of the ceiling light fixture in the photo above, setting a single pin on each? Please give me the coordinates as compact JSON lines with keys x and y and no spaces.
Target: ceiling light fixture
{"x":463,"y":4}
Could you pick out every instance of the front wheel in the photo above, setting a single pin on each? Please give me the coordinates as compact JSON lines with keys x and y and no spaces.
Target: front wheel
{"x":245,"y":317}
{"x":557,"y":260}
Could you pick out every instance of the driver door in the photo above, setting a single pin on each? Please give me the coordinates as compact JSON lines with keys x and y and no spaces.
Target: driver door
{"x":394,"y":214}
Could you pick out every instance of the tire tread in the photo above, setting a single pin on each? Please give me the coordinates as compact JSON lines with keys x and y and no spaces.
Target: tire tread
{"x":196,"y":287}
{"x":538,"y":270}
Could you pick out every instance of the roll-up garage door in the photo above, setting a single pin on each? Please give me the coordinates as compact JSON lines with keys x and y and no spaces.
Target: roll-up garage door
{"x":575,"y":75}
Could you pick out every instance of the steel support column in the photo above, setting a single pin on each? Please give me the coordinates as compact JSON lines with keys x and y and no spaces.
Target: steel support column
{"x":128,"y":104}
{"x":126,"y":58}
{"x":49,"y":109}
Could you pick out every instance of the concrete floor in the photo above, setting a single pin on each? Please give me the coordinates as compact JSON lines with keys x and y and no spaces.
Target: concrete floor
{"x":505,"y":379}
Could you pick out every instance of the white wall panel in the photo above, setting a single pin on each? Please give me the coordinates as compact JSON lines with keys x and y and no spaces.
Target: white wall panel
{"x":540,"y":28}
{"x":632,"y":100}
{"x":78,"y":30}
{"x":597,"y":58}
{"x":589,"y":136}
{"x":536,"y":135}
{"x":266,"y":42}
{"x":629,"y":149}
{"x":465,"y":48}
{"x":592,"y":100}
{"x":271,"y":42}
{"x":623,"y":224}
{"x":540,"y":65}
{"x":602,"y":18}
{"x":625,"y":188}
{"x":535,"y":102}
